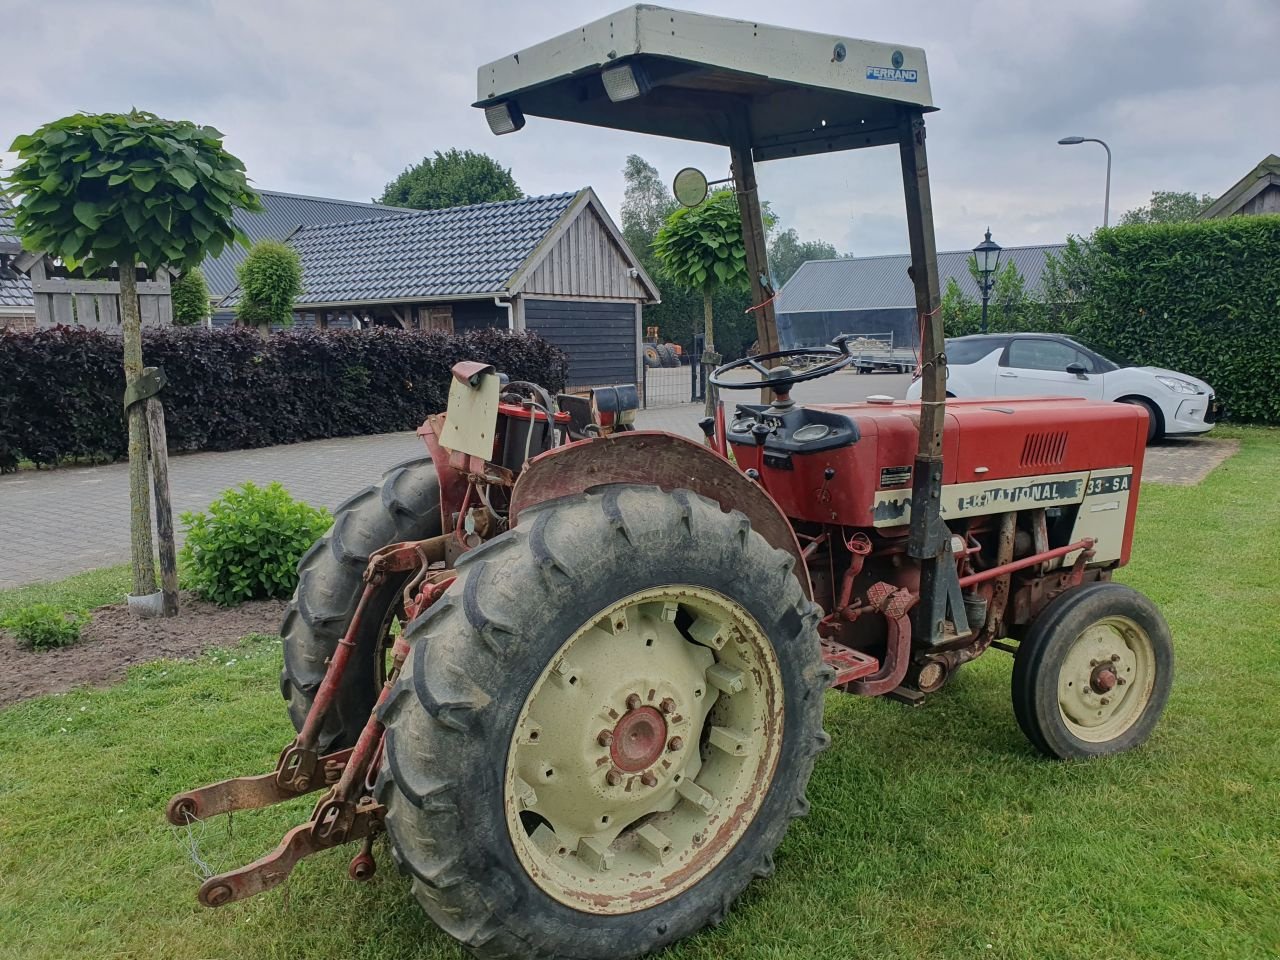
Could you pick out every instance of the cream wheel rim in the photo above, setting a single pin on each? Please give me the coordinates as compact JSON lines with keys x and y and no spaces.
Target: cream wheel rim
{"x":644,"y":750}
{"x":1106,"y":679}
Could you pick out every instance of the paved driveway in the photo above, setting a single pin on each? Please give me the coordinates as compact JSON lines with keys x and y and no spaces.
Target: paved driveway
{"x":54,"y":523}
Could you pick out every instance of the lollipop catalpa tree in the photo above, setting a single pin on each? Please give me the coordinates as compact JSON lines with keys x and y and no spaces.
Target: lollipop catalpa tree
{"x":120,"y":190}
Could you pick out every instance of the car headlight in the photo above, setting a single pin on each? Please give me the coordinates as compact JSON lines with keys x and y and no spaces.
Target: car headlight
{"x":1177,"y":385}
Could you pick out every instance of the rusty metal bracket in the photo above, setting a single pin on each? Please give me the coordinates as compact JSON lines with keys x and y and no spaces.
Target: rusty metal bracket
{"x":249,"y":793}
{"x":150,"y":383}
{"x":302,"y":841}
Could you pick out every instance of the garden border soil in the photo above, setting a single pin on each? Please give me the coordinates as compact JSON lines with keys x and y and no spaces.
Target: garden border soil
{"x":112,"y":641}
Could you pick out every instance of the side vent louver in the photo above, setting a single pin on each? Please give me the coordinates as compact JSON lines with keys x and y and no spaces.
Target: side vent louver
{"x":1044,"y":449}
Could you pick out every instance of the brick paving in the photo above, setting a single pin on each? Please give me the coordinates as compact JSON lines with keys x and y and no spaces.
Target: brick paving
{"x":54,"y":523}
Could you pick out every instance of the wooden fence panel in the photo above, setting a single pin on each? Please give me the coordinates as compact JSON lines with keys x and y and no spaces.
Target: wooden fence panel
{"x":95,"y":304}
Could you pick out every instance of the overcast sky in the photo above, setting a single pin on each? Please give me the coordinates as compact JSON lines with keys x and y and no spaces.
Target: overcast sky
{"x":335,"y":98}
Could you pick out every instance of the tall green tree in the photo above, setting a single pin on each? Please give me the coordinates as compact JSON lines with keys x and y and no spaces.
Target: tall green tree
{"x":787,"y":252}
{"x":646,"y":204}
{"x":453,"y":178}
{"x":701,"y":247}
{"x":119,"y":190}
{"x":1168,"y":206}
{"x":270,"y":281}
{"x":190,"y":297}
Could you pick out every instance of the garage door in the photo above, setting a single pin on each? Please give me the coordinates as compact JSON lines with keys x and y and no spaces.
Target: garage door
{"x":599,"y":337}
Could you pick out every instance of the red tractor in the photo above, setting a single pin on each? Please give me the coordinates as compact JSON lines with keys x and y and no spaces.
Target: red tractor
{"x":576,"y":672}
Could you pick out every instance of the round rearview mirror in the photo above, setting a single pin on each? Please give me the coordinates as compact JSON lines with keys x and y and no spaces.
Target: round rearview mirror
{"x":690,"y":187}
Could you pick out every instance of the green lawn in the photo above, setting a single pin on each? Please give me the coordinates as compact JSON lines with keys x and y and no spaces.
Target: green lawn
{"x":934,"y":833}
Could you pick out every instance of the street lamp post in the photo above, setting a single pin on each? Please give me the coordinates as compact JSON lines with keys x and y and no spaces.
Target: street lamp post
{"x":987,"y":254}
{"x":1106,"y":200}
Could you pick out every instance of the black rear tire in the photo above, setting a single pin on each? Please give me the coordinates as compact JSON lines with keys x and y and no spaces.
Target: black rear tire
{"x":667,"y":354}
{"x":478,"y":652}
{"x":403,"y":505}
{"x":1041,"y":658}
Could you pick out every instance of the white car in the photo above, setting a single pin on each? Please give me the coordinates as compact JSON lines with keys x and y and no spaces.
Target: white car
{"x":1045,"y":364}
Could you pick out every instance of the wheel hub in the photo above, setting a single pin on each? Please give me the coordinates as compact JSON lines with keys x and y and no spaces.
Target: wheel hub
{"x":1106,"y":679}
{"x":638,"y":740}
{"x":642,"y":752}
{"x":1103,"y":678}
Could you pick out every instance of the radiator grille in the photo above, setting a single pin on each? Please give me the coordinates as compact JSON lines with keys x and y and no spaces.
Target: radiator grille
{"x":1044,"y":449}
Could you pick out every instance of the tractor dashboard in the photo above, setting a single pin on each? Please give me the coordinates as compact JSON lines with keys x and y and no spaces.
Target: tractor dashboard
{"x":786,"y":431}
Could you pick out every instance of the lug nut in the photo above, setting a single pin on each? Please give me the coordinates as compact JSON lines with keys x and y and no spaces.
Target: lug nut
{"x":1105,"y":701}
{"x":675,"y":744}
{"x":1115,"y":658}
{"x":633,"y":701}
{"x":613,"y":777}
{"x":667,"y":705}
{"x":1121,"y":681}
{"x":604,"y":738}
{"x":1094,"y":663}
{"x":648,"y":779}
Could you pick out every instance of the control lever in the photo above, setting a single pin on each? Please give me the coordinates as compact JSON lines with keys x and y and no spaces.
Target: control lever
{"x":760,"y":432}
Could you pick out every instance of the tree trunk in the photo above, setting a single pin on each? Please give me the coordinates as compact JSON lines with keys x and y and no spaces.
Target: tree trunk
{"x":144,"y":571}
{"x":710,"y":359}
{"x":708,"y":327}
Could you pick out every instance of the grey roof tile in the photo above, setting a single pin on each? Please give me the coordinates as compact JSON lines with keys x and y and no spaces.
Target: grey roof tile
{"x":283,"y":214}
{"x":15,"y":291}
{"x":881,"y":283}
{"x":8,"y":236}
{"x":427,"y":253}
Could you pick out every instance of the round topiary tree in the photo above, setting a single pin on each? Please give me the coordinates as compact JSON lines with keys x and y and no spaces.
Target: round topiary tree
{"x":124,"y":189}
{"x":701,"y":248}
{"x":190,"y":297}
{"x":270,"y":281}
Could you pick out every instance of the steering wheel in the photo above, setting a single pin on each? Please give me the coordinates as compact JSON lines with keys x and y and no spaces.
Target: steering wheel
{"x":781,"y":379}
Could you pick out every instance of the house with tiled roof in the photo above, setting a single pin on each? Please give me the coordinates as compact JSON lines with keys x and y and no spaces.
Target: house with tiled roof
{"x":555,"y":265}
{"x":282,"y":214}
{"x":17,"y":306}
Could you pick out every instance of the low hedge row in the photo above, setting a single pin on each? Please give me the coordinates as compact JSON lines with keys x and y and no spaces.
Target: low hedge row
{"x":61,"y":390}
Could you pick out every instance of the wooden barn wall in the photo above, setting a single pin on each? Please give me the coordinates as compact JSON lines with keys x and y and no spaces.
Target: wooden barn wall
{"x":585,"y":262}
{"x":599,"y":337}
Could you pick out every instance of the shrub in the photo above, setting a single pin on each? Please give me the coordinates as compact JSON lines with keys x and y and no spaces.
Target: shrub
{"x":44,"y":626}
{"x":270,"y":280}
{"x":247,"y":546}
{"x":60,"y":389}
{"x":190,"y":296}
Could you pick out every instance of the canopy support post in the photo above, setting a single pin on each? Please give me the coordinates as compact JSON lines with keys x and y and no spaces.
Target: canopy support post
{"x":929,"y":540}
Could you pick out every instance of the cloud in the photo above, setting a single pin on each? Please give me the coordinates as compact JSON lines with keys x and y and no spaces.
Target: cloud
{"x":334,"y":99}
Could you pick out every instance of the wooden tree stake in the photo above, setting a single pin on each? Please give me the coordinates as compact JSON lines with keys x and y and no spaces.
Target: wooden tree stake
{"x":164,"y":509}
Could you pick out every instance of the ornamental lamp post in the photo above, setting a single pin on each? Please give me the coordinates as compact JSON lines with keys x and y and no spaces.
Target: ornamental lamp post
{"x":987,"y":254}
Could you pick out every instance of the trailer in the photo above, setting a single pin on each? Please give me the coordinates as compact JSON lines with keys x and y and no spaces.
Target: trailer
{"x":876,"y":353}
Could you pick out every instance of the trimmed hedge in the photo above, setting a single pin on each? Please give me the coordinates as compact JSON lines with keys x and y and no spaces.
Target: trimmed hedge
{"x":1202,"y":298}
{"x":61,"y":390}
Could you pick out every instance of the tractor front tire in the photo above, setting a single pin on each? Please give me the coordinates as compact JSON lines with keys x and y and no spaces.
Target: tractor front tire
{"x":1093,"y":673}
{"x":604,"y":727}
{"x":403,"y":505}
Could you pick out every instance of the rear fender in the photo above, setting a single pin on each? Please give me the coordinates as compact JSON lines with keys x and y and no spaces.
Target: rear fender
{"x":662,"y":460}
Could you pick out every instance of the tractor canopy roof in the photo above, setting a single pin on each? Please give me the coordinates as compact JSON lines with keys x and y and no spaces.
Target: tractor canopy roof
{"x":712,"y":79}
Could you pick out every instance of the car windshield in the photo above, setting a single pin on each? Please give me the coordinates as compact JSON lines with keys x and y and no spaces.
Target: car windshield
{"x":960,"y":352}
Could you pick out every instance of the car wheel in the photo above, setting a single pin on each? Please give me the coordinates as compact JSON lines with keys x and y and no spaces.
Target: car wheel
{"x":1155,"y":427}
